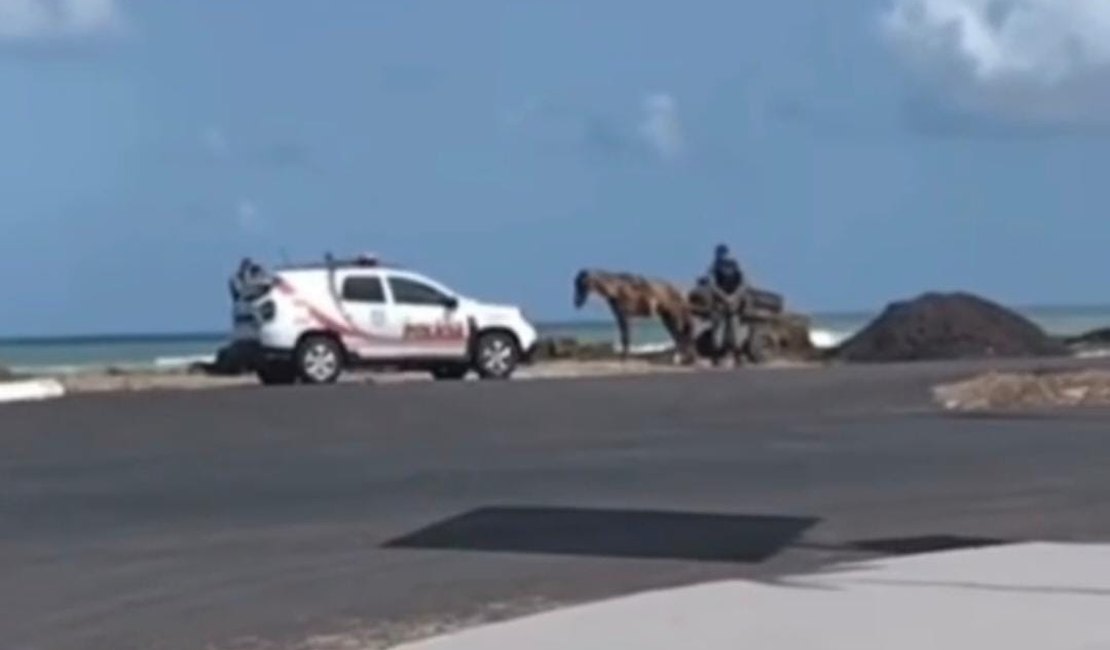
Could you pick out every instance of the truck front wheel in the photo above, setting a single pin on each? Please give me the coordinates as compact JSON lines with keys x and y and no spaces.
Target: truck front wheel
{"x":496,"y":355}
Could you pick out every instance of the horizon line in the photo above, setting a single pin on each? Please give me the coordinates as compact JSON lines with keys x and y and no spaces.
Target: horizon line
{"x":166,"y":336}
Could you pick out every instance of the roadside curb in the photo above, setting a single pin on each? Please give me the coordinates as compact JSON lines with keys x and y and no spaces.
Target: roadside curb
{"x":31,"y":390}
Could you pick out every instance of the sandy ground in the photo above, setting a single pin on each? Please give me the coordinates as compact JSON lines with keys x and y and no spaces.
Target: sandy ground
{"x":1027,"y":390}
{"x":108,"y":381}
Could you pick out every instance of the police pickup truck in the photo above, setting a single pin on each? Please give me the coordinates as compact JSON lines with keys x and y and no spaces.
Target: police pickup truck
{"x":309,"y":323}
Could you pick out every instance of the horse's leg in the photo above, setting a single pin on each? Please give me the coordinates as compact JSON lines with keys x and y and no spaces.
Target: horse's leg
{"x":622,"y":327}
{"x":686,"y":337}
{"x":716,"y":328}
{"x":732,"y":344}
{"x":672,"y":323}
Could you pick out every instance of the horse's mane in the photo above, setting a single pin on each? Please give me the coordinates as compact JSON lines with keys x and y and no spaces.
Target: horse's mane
{"x":625,"y":277}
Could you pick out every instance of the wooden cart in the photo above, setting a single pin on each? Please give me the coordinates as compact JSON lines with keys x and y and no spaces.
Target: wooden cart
{"x":768,"y":331}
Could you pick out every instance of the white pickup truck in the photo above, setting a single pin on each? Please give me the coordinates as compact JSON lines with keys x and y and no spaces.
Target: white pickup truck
{"x":309,"y":323}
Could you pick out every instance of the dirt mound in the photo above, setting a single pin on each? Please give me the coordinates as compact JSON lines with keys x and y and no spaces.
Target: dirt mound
{"x":1034,"y":390}
{"x":567,"y":348}
{"x":1098,"y":339}
{"x":947,"y":326}
{"x":571,"y":349}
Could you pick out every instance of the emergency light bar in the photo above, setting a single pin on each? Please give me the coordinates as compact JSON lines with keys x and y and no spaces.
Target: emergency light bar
{"x":364,"y":259}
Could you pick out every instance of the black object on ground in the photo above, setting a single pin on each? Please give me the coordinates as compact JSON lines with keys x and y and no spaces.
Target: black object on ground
{"x":925,"y":544}
{"x":613,"y":533}
{"x":235,"y":358}
{"x":948,"y":326}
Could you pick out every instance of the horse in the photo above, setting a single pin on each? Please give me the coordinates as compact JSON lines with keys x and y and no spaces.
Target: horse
{"x":635,"y":296}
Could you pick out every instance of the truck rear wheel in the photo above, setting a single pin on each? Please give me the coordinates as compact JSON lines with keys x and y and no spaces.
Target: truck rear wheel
{"x":319,"y":360}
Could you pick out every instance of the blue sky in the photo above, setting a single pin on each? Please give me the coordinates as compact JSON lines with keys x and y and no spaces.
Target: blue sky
{"x":852,"y":152}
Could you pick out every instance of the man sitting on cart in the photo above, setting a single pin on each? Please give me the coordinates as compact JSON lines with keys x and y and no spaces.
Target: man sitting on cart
{"x":726,"y":282}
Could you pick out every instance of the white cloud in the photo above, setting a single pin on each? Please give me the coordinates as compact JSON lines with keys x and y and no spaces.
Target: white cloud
{"x":246,"y":213}
{"x":660,"y":126}
{"x":518,"y":116}
{"x":215,"y":142}
{"x":38,"y":20}
{"x":1033,"y":58}
{"x":647,"y":129}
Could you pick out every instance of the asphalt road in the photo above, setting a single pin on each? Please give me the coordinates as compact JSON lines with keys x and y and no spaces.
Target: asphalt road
{"x":262,"y":518}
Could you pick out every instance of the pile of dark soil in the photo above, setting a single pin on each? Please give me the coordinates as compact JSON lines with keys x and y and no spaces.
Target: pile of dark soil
{"x":947,"y":326}
{"x":1095,"y":339}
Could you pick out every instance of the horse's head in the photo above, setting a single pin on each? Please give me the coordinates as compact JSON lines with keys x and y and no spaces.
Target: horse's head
{"x":583,"y":282}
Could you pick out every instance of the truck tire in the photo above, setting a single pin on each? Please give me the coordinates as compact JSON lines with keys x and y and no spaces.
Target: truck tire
{"x":319,"y":360}
{"x":496,"y":355}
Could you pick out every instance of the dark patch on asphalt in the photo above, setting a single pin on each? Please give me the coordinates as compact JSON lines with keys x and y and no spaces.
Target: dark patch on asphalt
{"x":613,"y":533}
{"x":923,"y":544}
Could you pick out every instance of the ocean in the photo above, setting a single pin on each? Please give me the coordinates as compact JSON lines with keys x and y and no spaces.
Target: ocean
{"x":78,"y":353}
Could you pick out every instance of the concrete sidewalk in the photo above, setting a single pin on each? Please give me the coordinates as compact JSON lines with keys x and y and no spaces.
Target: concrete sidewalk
{"x":1033,"y":596}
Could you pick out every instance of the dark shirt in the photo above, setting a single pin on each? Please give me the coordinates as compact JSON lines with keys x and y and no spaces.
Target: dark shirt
{"x":727,"y":275}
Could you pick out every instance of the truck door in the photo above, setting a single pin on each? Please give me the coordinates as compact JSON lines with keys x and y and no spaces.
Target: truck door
{"x":374,"y":334}
{"x":430,"y":322}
